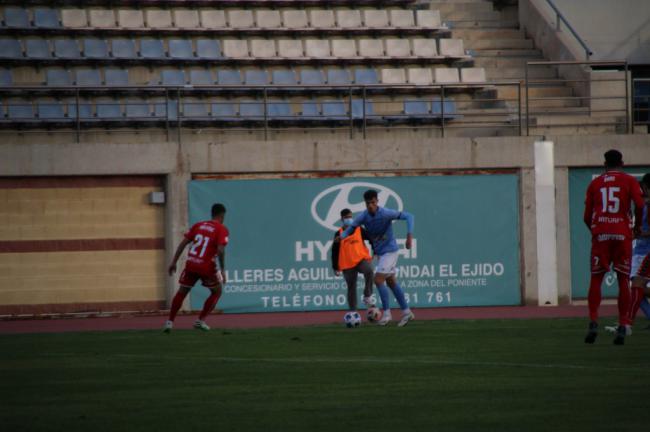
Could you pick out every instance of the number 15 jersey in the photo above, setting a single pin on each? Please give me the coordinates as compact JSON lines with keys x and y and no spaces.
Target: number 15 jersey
{"x":608,"y":204}
{"x":206,"y":237}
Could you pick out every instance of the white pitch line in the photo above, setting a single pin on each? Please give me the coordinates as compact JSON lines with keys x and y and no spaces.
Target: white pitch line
{"x":397,"y":361}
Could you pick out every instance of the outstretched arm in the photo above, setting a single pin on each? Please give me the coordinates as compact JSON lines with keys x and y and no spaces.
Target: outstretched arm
{"x":221,"y":256}
{"x":410,"y":222}
{"x":179,"y":250}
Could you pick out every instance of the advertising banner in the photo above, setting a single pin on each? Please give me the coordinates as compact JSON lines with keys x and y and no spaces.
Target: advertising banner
{"x":465,"y":249}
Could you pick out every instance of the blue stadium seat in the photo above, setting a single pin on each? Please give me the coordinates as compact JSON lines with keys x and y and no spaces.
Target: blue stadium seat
{"x":251,"y":110}
{"x":151,"y":48}
{"x":46,"y":18}
{"x":284,"y":77}
{"x":137,"y":109}
{"x":109,"y":110}
{"x":57,"y":77}
{"x":88,"y":77}
{"x":228,"y":77}
{"x":66,"y":49}
{"x":415,"y":108}
{"x":279,"y":110}
{"x":256,"y":77}
{"x":201,"y":77}
{"x":85,"y":110}
{"x":123,"y":48}
{"x":164,"y":111}
{"x":37,"y":49}
{"x":172,"y":77}
{"x":95,"y":48}
{"x":116,"y":77}
{"x":311,"y":77}
{"x":6,"y":78}
{"x":50,"y":111}
{"x":224,"y":111}
{"x":365,"y":76}
{"x":357,"y":109}
{"x":20,"y":110}
{"x":449,"y":106}
{"x":16,"y":17}
{"x":10,"y":48}
{"x":310,"y":111}
{"x":334,"y":110}
{"x":338,"y":77}
{"x":208,"y":49}
{"x":181,"y":49}
{"x":195,"y":110}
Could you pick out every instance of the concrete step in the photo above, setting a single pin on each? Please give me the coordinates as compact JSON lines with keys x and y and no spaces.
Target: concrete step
{"x":496,"y":24}
{"x":532,"y":53}
{"x":470,"y":15}
{"x":502,"y":62}
{"x":435,"y":3}
{"x":499,"y":44}
{"x":520,"y":73}
{"x":490,"y":33}
{"x":449,"y":7}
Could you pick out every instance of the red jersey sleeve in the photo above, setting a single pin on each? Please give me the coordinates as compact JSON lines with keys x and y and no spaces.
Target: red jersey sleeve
{"x":222,"y":236}
{"x":637,"y":197}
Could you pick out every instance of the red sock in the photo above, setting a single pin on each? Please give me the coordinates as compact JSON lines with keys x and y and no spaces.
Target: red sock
{"x":210,"y":303}
{"x":635,"y":302}
{"x":594,"y":296}
{"x":623,"y":299}
{"x":177,"y":302}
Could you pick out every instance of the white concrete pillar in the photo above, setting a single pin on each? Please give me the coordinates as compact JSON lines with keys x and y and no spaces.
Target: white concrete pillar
{"x":546,"y":224}
{"x":176,"y":222}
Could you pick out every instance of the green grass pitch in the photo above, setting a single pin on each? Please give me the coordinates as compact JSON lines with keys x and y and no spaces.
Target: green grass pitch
{"x":489,"y":375}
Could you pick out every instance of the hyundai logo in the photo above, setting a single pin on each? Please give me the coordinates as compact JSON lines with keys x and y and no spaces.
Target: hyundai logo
{"x":326,"y":207}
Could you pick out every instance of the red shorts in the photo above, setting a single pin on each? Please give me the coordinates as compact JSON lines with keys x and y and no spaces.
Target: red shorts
{"x":209,"y":280}
{"x":644,"y":268}
{"x":606,"y":252}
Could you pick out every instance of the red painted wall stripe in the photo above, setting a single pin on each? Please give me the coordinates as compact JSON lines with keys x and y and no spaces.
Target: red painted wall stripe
{"x":80,"y":182}
{"x":82,"y":245}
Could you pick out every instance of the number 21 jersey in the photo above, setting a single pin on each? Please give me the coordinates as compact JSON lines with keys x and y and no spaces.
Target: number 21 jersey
{"x":608,"y":203}
{"x":206,"y":237}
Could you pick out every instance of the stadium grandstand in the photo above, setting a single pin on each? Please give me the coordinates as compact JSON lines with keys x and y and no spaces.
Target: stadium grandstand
{"x":111,"y":110}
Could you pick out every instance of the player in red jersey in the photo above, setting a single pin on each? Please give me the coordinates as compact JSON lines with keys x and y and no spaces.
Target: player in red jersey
{"x":607,"y":215}
{"x":209,"y":239}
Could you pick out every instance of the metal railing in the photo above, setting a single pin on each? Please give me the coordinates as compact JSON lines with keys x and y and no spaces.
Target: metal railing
{"x":641,"y":104}
{"x":559,"y":19}
{"x":360,"y":108}
{"x":610,"y":108}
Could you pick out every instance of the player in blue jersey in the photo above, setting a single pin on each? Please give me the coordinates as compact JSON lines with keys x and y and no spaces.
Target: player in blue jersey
{"x":378,"y":222}
{"x":640,"y":251}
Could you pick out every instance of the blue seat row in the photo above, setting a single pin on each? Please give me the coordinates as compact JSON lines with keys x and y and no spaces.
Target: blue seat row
{"x":19,"y":18}
{"x":105,"y":49}
{"x":120,"y":77}
{"x":251,"y":110}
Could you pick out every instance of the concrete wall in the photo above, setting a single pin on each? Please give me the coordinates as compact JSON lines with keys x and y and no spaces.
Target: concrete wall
{"x":178,"y":162}
{"x":617,"y":30}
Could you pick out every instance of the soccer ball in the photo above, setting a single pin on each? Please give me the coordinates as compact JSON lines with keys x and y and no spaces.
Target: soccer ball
{"x":352,"y":319}
{"x":373,"y":314}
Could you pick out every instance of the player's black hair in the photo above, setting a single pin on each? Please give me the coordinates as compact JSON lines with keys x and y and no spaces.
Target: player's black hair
{"x":345,"y":212}
{"x":613,"y":158}
{"x":369,"y":194}
{"x":646,"y":180}
{"x":218,"y":209}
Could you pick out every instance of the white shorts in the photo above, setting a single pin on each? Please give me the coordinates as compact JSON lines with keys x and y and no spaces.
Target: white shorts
{"x":387,"y":263}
